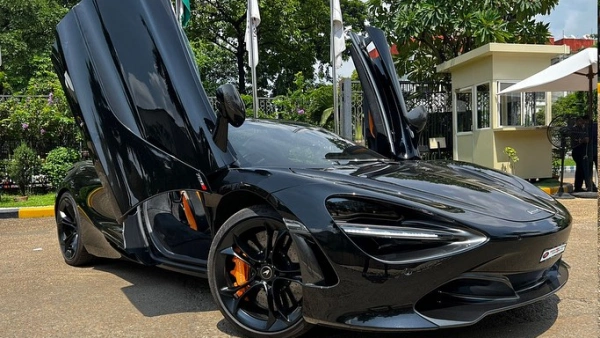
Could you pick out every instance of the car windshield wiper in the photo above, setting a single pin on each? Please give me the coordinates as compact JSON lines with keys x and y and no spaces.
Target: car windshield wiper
{"x":367,"y":161}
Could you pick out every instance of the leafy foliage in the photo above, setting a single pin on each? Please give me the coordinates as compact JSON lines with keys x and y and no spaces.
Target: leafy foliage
{"x":26,"y":32}
{"x":214,"y":64}
{"x":512,"y":156}
{"x":430,"y":32}
{"x":58,"y":162}
{"x":23,"y":166}
{"x":292,"y":37}
{"x":305,"y":102}
{"x":574,"y":104}
{"x":43,"y":119}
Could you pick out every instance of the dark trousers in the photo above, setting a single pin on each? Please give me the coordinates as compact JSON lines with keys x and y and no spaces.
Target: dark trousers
{"x":583,"y":169}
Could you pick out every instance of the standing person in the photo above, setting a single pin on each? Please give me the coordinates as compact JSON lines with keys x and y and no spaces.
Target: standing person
{"x":592,"y":152}
{"x":579,"y":140}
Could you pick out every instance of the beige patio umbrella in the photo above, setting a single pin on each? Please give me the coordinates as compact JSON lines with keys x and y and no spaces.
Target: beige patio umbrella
{"x":576,"y":73}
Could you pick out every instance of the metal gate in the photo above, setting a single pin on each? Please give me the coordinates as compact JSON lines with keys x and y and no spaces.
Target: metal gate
{"x":431,"y":95}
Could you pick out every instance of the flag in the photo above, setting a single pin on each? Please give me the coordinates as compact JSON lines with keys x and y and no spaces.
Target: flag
{"x":339,"y":45}
{"x":252,"y":21}
{"x":186,"y":12}
{"x":182,"y":11}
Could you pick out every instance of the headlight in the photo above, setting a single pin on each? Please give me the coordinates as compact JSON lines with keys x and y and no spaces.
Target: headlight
{"x":399,"y":235}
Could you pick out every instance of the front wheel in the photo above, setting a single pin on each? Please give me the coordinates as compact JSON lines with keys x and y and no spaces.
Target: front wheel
{"x":68,"y":226}
{"x":254,"y":275}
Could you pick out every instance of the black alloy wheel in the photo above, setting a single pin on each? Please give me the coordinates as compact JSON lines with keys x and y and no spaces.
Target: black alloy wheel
{"x":254,"y":275}
{"x":69,"y":231}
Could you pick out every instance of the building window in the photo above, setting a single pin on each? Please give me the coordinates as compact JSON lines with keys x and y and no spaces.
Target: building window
{"x":520,"y":109}
{"x":483,"y":105}
{"x":464,"y":111}
{"x":535,"y":108}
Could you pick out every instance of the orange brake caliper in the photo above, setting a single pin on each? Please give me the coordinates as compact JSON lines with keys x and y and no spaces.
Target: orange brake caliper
{"x":240,"y":272}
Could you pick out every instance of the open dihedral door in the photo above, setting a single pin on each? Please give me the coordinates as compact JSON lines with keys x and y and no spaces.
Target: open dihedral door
{"x":134,"y":89}
{"x":387,"y":128}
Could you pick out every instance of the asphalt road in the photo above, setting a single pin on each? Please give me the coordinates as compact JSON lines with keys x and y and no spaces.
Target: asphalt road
{"x":40,"y":296}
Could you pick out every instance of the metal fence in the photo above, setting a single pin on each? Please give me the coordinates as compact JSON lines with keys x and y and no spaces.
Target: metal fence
{"x":265,"y":104}
{"x":430,"y":95}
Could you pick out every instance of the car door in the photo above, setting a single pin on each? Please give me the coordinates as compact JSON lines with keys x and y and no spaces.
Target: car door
{"x":134,"y":89}
{"x":387,"y":128}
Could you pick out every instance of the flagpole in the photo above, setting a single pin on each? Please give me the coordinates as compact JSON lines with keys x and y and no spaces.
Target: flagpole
{"x":178,"y":11}
{"x":252,"y":62}
{"x":336,"y":117}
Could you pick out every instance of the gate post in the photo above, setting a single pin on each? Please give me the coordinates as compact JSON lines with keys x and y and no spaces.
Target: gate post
{"x":346,"y":113}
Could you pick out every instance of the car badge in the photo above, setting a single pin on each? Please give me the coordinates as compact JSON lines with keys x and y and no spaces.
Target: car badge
{"x":266,"y":273}
{"x":549,"y":253}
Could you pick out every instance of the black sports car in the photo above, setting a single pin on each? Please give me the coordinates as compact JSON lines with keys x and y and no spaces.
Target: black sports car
{"x":292,"y":225}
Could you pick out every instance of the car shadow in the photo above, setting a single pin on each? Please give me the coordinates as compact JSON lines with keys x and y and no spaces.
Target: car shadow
{"x":524,"y":322}
{"x":156,"y":292}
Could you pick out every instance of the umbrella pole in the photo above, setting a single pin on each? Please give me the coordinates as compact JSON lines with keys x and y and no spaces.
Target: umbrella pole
{"x":590,"y":77}
{"x":587,"y":175}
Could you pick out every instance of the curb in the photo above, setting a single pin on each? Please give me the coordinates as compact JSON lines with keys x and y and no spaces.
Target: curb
{"x":567,"y":187}
{"x":27,"y":212}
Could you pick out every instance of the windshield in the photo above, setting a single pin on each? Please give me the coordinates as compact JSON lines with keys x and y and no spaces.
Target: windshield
{"x":273,"y":144}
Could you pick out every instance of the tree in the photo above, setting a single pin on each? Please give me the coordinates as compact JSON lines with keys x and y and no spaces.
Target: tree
{"x":293,"y":36}
{"x":23,"y":166}
{"x":574,"y":104}
{"x":26,"y":30}
{"x":430,"y":32}
{"x":42,"y":120}
{"x":306,"y":102}
{"x":214,"y":64}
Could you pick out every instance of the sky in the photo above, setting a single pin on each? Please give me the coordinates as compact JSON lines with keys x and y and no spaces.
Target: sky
{"x":573,"y":17}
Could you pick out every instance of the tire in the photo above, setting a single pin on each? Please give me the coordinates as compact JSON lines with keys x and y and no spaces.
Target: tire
{"x":68,"y":226}
{"x":267,"y":302}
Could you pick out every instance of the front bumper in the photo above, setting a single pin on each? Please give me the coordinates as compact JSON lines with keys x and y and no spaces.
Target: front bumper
{"x":437,"y":309}
{"x":449,"y":292}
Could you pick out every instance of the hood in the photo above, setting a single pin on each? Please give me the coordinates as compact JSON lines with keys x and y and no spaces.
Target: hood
{"x":387,"y":126}
{"x":133,"y":87}
{"x":448,"y":187}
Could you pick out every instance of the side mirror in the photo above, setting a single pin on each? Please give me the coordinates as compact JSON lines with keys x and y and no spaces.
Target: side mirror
{"x":417,"y":118}
{"x":230,"y":105}
{"x":231,"y":110}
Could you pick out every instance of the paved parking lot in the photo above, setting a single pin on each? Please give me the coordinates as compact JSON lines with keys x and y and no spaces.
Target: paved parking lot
{"x":40,"y":296}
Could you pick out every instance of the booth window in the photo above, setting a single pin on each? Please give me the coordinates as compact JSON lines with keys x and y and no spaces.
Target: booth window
{"x":464,"y":111}
{"x":483,"y":105}
{"x":521,"y":109}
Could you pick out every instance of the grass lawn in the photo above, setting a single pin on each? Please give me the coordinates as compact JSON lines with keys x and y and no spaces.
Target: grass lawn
{"x":569,"y":162}
{"x":7,"y":201}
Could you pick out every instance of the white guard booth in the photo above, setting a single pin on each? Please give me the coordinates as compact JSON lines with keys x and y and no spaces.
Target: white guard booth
{"x":486,"y":123}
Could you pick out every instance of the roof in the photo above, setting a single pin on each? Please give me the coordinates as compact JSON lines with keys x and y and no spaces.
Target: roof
{"x":576,"y":44}
{"x":495,"y":48}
